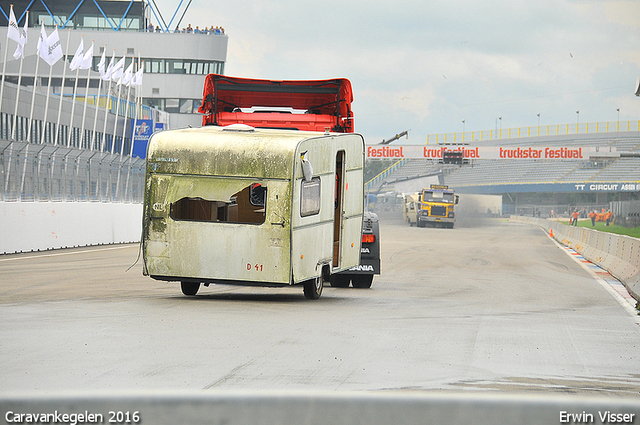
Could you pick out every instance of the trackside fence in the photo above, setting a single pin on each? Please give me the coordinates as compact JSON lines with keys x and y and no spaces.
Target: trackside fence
{"x":44,"y":172}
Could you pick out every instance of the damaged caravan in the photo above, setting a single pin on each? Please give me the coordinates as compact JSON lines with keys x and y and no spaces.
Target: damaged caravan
{"x":251,"y":206}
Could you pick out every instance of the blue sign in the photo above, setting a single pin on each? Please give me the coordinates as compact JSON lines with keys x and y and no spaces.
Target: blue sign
{"x":628,"y":186}
{"x":159,"y":126}
{"x":140,"y":135}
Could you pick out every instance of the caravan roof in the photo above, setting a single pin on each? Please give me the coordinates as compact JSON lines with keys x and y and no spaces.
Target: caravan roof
{"x":233,"y":151}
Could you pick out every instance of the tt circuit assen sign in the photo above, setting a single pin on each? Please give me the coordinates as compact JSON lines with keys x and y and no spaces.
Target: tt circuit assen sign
{"x":485,"y":152}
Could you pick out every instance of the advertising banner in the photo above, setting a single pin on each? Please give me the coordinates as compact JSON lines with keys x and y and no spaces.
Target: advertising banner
{"x":487,"y":152}
{"x":140,"y":136}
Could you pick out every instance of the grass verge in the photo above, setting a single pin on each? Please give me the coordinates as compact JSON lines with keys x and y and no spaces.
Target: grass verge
{"x":634,"y":232}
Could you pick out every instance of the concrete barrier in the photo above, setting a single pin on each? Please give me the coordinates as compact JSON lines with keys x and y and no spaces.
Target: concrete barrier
{"x":349,"y":408}
{"x":39,"y":226}
{"x":618,"y":254}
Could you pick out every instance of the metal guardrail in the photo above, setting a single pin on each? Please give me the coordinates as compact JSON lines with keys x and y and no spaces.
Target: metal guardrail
{"x":535,"y":131}
{"x":45,"y":172}
{"x":377,"y":179}
{"x":319,"y":408}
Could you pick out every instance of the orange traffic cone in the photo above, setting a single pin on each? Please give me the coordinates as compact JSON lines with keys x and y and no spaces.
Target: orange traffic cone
{"x":551,"y":232}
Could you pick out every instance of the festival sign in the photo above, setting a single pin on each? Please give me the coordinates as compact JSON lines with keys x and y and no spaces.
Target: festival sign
{"x":487,"y":152}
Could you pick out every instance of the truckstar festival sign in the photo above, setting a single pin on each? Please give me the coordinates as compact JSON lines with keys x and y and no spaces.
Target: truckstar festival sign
{"x":486,"y":152}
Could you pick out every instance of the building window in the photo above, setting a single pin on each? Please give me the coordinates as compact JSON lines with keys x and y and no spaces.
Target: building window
{"x":186,"y":106}
{"x":172,"y":105}
{"x":182,"y":66}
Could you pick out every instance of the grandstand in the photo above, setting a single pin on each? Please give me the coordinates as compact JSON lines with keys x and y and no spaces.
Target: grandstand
{"x":596,"y":181}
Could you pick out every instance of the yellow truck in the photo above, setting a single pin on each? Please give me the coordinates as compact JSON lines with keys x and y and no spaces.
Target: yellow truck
{"x":436,"y":207}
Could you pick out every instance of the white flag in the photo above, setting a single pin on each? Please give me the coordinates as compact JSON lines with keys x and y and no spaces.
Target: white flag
{"x":12,"y":30}
{"x":42,"y":41}
{"x":87,"y":59}
{"x":107,"y":75}
{"x":137,"y":77}
{"x":103,"y":59}
{"x":19,"y":53}
{"x":128,"y":74}
{"x":117,"y":70}
{"x":54,"y":48}
{"x":76,"y":62}
{"x":49,"y":47}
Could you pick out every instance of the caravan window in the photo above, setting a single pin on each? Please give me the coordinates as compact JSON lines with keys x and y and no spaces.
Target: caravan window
{"x":246,"y":206}
{"x":310,"y":197}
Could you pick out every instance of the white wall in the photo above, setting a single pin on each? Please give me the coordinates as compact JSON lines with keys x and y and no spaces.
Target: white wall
{"x":34,"y":226}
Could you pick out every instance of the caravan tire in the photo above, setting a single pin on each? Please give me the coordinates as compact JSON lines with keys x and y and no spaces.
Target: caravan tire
{"x":190,"y":288}
{"x":313,"y":288}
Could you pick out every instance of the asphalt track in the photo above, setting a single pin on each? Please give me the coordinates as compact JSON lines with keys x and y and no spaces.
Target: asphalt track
{"x":488,"y":306}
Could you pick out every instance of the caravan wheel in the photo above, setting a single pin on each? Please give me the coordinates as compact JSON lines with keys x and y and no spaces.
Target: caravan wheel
{"x":190,"y":288}
{"x":313,"y":288}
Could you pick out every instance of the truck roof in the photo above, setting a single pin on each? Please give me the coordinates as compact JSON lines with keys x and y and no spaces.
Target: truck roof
{"x":326,"y":103}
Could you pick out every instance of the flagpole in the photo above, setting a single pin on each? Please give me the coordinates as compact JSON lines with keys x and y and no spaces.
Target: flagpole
{"x":33,"y":99}
{"x":73,"y":103}
{"x":86,"y":95}
{"x":46,"y":107}
{"x":64,"y":74}
{"x":95,"y":115}
{"x":126,"y":117}
{"x":15,"y":115}
{"x":4,"y":68}
{"x":135,"y":121}
{"x":73,"y":107}
{"x":115,"y":124}
{"x":106,"y":110}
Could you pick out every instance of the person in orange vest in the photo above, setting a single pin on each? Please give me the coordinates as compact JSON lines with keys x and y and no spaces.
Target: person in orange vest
{"x":592,"y":216}
{"x":609,"y":217}
{"x":574,"y":218}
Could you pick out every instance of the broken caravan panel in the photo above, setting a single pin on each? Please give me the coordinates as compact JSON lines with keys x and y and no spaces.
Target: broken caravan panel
{"x":231,"y":205}
{"x":326,"y":103}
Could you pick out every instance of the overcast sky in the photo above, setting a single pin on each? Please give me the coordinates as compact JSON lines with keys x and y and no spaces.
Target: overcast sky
{"x":425,"y":66}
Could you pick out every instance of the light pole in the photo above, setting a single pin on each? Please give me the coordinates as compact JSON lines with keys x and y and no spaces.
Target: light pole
{"x":618,"y":124}
{"x":538,"y":114}
{"x":463,"y":126}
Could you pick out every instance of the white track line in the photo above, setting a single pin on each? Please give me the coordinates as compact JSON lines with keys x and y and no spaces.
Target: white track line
{"x":63,"y":253}
{"x":623,"y":302}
